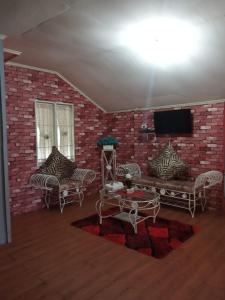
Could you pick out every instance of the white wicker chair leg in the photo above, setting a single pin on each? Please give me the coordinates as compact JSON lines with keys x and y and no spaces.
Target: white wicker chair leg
{"x":81,"y":197}
{"x":62,"y":201}
{"x":156,"y":211}
{"x":154,"y":218}
{"x":192,"y":211}
{"x":133,"y":215}
{"x":46,"y":196}
{"x":203,"y":200}
{"x":98,"y":205}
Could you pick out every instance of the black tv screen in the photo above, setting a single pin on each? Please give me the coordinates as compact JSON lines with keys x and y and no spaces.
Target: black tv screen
{"x":173,"y":121}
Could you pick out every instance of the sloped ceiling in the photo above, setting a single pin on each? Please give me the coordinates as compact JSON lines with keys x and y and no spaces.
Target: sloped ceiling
{"x":79,"y":39}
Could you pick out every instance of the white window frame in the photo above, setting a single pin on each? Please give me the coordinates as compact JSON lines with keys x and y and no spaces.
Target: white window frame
{"x":55,"y":104}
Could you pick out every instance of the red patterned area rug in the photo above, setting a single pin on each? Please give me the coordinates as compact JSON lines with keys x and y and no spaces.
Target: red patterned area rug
{"x":153,"y":239}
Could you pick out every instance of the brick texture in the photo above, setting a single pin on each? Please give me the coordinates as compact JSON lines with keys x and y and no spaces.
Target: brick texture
{"x":23,"y":87}
{"x":203,"y":150}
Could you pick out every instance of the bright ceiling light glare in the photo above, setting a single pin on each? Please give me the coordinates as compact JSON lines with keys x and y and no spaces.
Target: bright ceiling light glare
{"x":162,"y":41}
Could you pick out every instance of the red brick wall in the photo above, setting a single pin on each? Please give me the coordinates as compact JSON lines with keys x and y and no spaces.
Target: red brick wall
{"x":23,"y":86}
{"x":203,"y":150}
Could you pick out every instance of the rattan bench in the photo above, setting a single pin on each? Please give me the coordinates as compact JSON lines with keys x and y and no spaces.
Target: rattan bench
{"x":184,"y":194}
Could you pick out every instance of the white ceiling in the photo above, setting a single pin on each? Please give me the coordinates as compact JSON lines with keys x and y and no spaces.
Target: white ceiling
{"x":79,"y":39}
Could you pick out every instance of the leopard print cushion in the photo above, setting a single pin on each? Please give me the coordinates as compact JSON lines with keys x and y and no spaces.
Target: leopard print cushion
{"x":167,"y":165}
{"x":58,"y":165}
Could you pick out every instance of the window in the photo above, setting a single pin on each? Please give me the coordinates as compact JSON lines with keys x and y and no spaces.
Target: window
{"x":54,"y":127}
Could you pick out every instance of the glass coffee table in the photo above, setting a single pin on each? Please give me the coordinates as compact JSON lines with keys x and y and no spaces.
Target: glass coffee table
{"x":129,"y":204}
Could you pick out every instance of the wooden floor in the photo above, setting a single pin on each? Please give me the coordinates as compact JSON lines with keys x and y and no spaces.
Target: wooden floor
{"x":49,"y":259}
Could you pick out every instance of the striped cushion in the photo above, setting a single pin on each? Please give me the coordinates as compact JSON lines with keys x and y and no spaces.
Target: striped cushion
{"x":167,"y":164}
{"x":58,"y":165}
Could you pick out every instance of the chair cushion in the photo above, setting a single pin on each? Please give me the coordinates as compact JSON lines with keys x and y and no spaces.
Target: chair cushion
{"x":67,"y":184}
{"x":175,"y":185}
{"x":167,"y":164}
{"x":58,"y":165}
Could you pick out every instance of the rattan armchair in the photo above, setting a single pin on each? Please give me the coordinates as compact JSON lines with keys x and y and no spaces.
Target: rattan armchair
{"x":60,"y":180}
{"x":63,"y":191}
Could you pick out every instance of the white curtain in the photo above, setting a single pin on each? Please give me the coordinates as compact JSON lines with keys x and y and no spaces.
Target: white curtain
{"x":45,"y":129}
{"x":55,"y":127}
{"x":65,"y":130}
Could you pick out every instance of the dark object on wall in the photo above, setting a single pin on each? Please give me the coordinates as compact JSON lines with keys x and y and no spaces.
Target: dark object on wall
{"x":173,"y":121}
{"x":147,"y":130}
{"x":144,"y":134}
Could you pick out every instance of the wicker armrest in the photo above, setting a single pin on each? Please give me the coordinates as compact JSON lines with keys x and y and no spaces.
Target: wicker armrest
{"x":43,"y":181}
{"x":208,"y":179}
{"x":213,"y":178}
{"x":85,"y":176}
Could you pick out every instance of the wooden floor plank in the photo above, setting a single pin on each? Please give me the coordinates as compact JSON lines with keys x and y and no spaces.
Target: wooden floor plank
{"x":50,"y":259}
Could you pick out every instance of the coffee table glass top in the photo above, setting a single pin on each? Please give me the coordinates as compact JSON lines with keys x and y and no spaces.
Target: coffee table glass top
{"x":129,"y":203}
{"x":137,"y":195}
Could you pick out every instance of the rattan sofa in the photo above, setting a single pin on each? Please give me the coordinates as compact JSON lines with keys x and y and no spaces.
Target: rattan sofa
{"x":185,"y":194}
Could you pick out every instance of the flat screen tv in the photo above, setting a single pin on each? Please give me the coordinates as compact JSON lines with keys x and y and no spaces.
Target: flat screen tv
{"x":173,"y":121}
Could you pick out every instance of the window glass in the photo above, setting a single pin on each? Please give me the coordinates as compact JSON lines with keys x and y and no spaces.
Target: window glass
{"x":54,"y":127}
{"x":65,"y":130}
